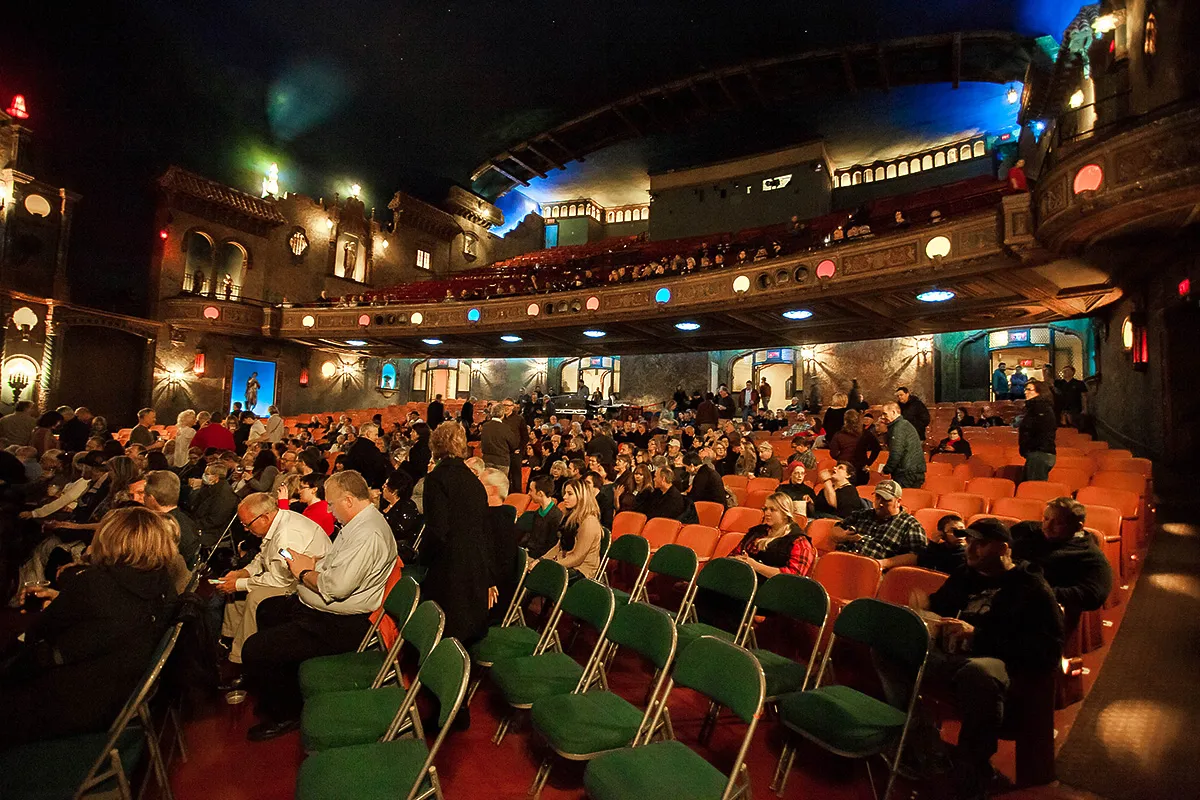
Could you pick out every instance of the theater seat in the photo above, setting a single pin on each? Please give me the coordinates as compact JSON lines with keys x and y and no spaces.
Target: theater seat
{"x":965,"y":504}
{"x":710,"y":513}
{"x":740,"y":519}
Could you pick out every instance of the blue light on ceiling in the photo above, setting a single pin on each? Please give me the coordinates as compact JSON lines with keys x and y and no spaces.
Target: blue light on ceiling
{"x":595,"y":334}
{"x":473,"y":315}
{"x":432,"y":342}
{"x":511,"y":338}
{"x":356,"y":342}
{"x":936,"y":296}
{"x":663,"y":295}
{"x":688,"y":326}
{"x":797,"y":313}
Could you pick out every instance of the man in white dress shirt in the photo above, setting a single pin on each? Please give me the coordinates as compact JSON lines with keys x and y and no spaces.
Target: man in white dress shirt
{"x":329,"y":612}
{"x":268,"y":574}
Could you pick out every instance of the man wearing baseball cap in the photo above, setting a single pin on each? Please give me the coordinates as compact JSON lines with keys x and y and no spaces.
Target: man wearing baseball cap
{"x":884,"y":532}
{"x":996,"y":619}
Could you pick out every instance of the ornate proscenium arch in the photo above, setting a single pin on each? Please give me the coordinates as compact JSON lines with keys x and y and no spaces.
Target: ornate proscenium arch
{"x":982,"y":56}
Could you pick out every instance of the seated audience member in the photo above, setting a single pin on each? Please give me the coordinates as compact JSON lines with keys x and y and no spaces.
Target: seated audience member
{"x":747,"y":458}
{"x":1068,"y":557}
{"x":364,"y":457}
{"x":663,"y":500}
{"x":801,"y":493}
{"x":93,"y":641}
{"x":768,"y":464}
{"x":883,"y":532}
{"x":162,"y":495}
{"x":212,"y":503}
{"x":962,"y":419}
{"x":802,"y":446}
{"x":329,"y":613}
{"x":778,"y":544}
{"x":268,"y":574}
{"x":502,"y":538}
{"x":264,"y":475}
{"x":70,"y":494}
{"x":997,"y":619}
{"x":604,"y":492}
{"x":706,"y":484}
{"x":836,"y":496}
{"x":578,"y":548}
{"x":539,"y":527}
{"x":954,"y":443}
{"x":944,"y":553}
{"x":989,"y":419}
{"x":397,"y":505}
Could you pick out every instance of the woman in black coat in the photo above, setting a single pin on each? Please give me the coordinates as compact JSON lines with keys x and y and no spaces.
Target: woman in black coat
{"x":85,"y":652}
{"x":455,"y":547}
{"x":418,"y":455}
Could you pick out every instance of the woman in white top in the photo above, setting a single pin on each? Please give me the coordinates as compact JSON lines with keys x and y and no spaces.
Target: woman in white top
{"x":579,"y":543}
{"x":184,"y":432}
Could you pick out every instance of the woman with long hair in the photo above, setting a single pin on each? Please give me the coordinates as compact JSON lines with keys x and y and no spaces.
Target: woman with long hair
{"x":185,"y":431}
{"x":623,"y":486}
{"x":264,"y":475}
{"x":43,"y":436}
{"x":778,"y":544}
{"x":420,"y":454}
{"x":747,"y":463}
{"x":94,"y":639}
{"x":578,"y":548}
{"x":841,"y":443}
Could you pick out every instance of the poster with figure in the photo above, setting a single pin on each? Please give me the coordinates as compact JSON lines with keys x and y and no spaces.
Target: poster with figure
{"x":252,"y":385}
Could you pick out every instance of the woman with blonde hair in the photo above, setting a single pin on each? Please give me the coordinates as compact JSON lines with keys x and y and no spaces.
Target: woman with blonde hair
{"x":835,"y":415}
{"x":778,"y":544}
{"x":185,"y":431}
{"x":578,"y":548}
{"x":94,"y":639}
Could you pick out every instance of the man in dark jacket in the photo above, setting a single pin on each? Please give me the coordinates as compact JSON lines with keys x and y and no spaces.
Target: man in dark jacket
{"x":706,"y":483}
{"x":435,"y":414}
{"x":725,"y":403}
{"x":707,"y":415}
{"x":498,"y":439}
{"x":913,"y":410}
{"x":539,"y":528}
{"x":995,"y":619}
{"x":213,"y":504}
{"x":467,"y":415}
{"x":664,"y":500}
{"x":516,"y":456}
{"x":1068,"y":557}
{"x":906,"y":457}
{"x":603,"y":446}
{"x":76,"y":431}
{"x":364,"y":457}
{"x":1038,"y":427}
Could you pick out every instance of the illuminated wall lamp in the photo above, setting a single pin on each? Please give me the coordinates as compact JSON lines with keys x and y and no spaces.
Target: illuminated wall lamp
{"x":924,"y":349}
{"x":304,"y":377}
{"x":808,"y":358}
{"x":328,"y":370}
{"x":26,"y":320}
{"x":198,"y":363}
{"x":1141,"y":346}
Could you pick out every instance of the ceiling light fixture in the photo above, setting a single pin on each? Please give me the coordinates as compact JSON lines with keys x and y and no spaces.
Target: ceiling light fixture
{"x":511,"y":338}
{"x":797,"y":313}
{"x":936,"y":296}
{"x":356,"y":343}
{"x":595,"y":334}
{"x":432,"y":342}
{"x":688,"y":326}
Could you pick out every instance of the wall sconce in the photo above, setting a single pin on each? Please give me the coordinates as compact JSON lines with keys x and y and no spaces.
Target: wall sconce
{"x":1141,"y":346}
{"x":924,"y":350}
{"x":198,"y":363}
{"x":808,"y":358}
{"x":175,"y":377}
{"x":19,"y":372}
{"x":25,"y":320}
{"x":328,"y":370}
{"x":304,"y":377}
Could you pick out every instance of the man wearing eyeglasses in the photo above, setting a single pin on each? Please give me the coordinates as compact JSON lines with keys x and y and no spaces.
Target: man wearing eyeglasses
{"x":1036,"y":438}
{"x":268,"y":574}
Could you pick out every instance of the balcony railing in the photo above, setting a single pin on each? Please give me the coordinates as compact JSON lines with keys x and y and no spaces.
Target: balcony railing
{"x":217,"y":290}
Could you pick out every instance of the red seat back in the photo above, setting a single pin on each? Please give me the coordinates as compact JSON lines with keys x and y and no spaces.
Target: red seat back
{"x":847,"y":576}
{"x":899,"y":582}
{"x":710,"y":513}
{"x":740,"y":519}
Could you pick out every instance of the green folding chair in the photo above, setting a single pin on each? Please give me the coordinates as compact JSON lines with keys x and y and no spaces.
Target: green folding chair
{"x":358,"y":716}
{"x":589,"y":722}
{"x":94,"y":763}
{"x":520,"y":569}
{"x":395,"y":767}
{"x":525,"y":680}
{"x":370,"y":666}
{"x":729,"y":676}
{"x":846,"y":721}
{"x":679,"y":563}
{"x":634,"y":551}
{"x":514,"y":639}
{"x":798,"y":598}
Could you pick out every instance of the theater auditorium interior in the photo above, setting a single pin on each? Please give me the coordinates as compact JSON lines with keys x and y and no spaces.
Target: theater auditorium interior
{"x":692,"y":399}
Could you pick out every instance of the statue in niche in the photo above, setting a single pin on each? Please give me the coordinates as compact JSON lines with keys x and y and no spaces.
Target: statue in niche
{"x":349,"y":257}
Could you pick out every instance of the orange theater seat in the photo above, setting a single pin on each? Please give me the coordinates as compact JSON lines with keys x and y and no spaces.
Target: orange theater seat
{"x":950,"y":458}
{"x":740,"y":519}
{"x":660,"y":531}
{"x":1120,"y":479}
{"x":1076,"y":479}
{"x":965,"y":504}
{"x":628,"y":522}
{"x":756,"y":497}
{"x":710,"y":513}
{"x":1139,"y":466}
{"x":913,"y":499}
{"x":1106,"y":521}
{"x":1042,"y":490}
{"x":761,"y":485}
{"x":938,"y":469}
{"x":1019,"y":507}
{"x":899,"y":583}
{"x":847,"y":576}
{"x":732,"y":481}
{"x":940,"y":486}
{"x":821,"y":533}
{"x":1082,"y":462}
{"x":739,"y":494}
{"x":992,"y":488}
{"x":929,"y":518}
{"x":1009,"y":521}
{"x":700,"y":538}
{"x":974,"y":468}
{"x":726,"y":544}
{"x":1130,"y":506}
{"x":866,"y":492}
{"x":518,"y":501}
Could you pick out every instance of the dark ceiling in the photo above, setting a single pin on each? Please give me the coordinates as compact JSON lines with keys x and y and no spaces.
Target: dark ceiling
{"x":398,"y":95}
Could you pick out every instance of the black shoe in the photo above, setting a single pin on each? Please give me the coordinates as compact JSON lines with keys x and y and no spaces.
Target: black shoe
{"x":270,"y":729}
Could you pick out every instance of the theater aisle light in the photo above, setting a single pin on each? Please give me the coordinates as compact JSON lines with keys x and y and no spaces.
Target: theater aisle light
{"x":936,"y":296}
{"x":797,"y":313}
{"x":511,"y":338}
{"x":594,"y":334}
{"x":688,"y":326}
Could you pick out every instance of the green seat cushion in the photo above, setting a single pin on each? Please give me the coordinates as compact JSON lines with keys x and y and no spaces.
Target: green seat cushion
{"x":524,"y":680}
{"x":53,"y":769}
{"x":692,"y":631}
{"x":842,"y":718}
{"x":340,"y":719}
{"x":376,"y":771}
{"x":339,"y":673}
{"x":592,"y":722}
{"x":621,"y":597}
{"x":501,"y":644}
{"x":783,"y":674}
{"x":662,"y":769}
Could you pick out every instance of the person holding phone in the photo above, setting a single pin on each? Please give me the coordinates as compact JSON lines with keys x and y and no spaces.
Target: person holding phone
{"x":268,"y":574}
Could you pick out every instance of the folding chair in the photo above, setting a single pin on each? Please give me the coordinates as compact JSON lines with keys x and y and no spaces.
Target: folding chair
{"x":588,"y":723}
{"x":710,"y":513}
{"x":357,"y":716}
{"x":395,"y":767}
{"x":371,"y":665}
{"x":633,"y":551}
{"x":678,"y":563}
{"x":91,"y":763}
{"x":728,"y":578}
{"x":524,"y":680}
{"x":799,"y":599}
{"x":727,"y":675}
{"x":845,"y":721}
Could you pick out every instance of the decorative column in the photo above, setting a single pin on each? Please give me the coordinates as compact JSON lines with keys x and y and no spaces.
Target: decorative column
{"x":47,"y":380}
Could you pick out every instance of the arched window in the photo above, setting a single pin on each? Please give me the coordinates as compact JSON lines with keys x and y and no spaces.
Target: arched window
{"x":914,"y":166}
{"x":231,"y":263}
{"x":879,"y":173}
{"x":198,"y":262}
{"x":964,"y":152}
{"x":952,"y":156}
{"x":444,"y":376}
{"x":595,"y":372}
{"x":571,"y":211}
{"x":556,"y":212}
{"x":868,"y":176}
{"x":608,"y":217}
{"x":589,"y":209}
{"x":387,"y":376}
{"x":902,"y":170}
{"x":926,"y":161}
{"x":857,"y":177}
{"x":891,"y":170}
{"x":978,"y":148}
{"x":939,"y":159}
{"x":645,"y":213}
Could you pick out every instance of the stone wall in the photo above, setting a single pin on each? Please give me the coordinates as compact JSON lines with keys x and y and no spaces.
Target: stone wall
{"x":649,"y":379}
{"x":880,"y":366}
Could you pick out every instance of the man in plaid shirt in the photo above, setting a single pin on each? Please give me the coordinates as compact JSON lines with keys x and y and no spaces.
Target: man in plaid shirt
{"x":883,"y":532}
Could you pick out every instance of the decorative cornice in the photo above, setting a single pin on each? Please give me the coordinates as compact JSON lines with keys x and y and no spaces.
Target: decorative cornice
{"x":416,"y":213}
{"x":216,"y":200}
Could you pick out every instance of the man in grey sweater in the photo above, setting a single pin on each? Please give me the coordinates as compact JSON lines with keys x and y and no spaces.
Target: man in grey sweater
{"x":906,"y":456}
